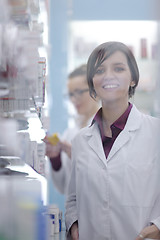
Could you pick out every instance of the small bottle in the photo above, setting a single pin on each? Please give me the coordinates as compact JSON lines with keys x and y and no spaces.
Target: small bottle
{"x":52,"y":224}
{"x":53,"y":209}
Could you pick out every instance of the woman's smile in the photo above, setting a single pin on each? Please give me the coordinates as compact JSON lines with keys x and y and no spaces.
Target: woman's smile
{"x":110,"y":86}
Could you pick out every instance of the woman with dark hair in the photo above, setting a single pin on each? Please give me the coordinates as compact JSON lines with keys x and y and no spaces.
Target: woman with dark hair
{"x":114,"y":188}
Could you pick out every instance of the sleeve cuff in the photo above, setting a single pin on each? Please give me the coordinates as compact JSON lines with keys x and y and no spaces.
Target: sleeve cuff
{"x":56,"y":163}
{"x":156,"y":222}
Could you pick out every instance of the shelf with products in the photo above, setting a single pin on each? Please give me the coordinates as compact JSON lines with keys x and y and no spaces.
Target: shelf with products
{"x":22,"y":69}
{"x":22,"y":98}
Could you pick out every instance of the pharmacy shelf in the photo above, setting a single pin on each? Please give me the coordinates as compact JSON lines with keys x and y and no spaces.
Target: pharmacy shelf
{"x":32,"y":175}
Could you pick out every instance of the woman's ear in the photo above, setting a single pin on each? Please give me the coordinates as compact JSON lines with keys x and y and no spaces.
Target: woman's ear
{"x":132,"y":84}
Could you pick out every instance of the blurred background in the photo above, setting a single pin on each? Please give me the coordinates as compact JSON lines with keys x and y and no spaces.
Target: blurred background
{"x":41,"y":42}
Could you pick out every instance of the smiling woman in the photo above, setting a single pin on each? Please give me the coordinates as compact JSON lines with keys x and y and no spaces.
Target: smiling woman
{"x":113,"y":177}
{"x":112,"y":58}
{"x":112,"y":79}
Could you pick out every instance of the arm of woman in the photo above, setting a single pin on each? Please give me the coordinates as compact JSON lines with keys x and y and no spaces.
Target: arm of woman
{"x":59,"y":171}
{"x":66,"y":147}
{"x":71,"y":217}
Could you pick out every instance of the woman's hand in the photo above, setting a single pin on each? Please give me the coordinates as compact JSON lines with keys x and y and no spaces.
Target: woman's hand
{"x":74,"y":231}
{"x":149,"y":232}
{"x":52,"y":150}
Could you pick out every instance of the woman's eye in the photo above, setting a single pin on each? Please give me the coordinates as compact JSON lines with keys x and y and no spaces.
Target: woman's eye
{"x":99,"y":71}
{"x":119,"y":69}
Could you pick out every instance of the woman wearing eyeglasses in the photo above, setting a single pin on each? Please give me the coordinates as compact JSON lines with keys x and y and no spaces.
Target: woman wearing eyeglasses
{"x":86,"y":107}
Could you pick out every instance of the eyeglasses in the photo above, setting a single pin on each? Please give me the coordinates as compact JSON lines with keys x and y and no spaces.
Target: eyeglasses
{"x":77,"y":93}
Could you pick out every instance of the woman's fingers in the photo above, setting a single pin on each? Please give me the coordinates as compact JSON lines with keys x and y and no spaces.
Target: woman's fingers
{"x":149,"y":232}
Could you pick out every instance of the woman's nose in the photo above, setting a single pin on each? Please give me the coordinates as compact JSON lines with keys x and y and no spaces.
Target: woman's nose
{"x":108,"y":74}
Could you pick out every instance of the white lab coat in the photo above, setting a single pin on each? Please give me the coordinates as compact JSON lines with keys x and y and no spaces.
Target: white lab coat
{"x":114,"y":198}
{"x":62,"y":176}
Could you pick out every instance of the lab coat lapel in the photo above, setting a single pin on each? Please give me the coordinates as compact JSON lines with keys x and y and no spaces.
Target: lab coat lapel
{"x":94,"y":141}
{"x":133,"y":123}
{"x":121,"y":140}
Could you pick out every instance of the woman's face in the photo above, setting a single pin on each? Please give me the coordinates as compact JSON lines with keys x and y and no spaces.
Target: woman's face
{"x":79,"y":95}
{"x":113,"y":79}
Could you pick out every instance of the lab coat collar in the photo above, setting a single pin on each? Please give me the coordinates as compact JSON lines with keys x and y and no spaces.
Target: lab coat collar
{"x":134,"y":119}
{"x":94,"y":139}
